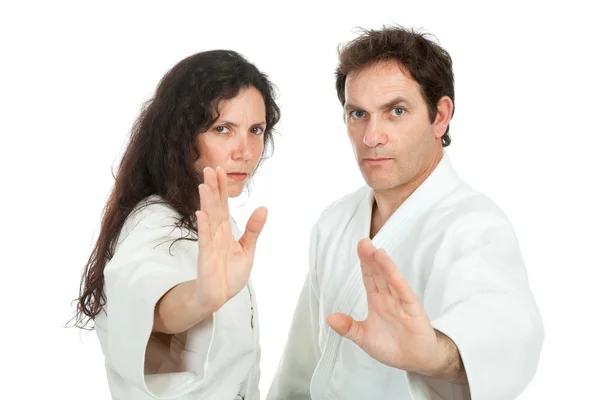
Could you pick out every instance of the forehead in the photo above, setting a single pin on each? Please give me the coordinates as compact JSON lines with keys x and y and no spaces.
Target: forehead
{"x":248,"y":102}
{"x":379,"y":82}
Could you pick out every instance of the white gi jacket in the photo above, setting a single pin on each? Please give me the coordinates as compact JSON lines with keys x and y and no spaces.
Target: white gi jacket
{"x":216,"y":359}
{"x":460,"y":255}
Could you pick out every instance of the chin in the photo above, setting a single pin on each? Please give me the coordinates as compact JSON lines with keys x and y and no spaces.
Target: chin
{"x":381,"y":184}
{"x":378,"y":187}
{"x":378,"y":181}
{"x":235,"y":190}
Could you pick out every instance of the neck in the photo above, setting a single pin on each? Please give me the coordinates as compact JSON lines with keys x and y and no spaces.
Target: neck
{"x":388,"y":201}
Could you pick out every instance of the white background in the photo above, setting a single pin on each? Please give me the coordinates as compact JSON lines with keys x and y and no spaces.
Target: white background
{"x":73,"y":78}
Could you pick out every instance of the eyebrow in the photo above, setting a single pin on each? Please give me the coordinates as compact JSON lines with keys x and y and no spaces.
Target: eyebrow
{"x":394,"y":102}
{"x":225,"y":122}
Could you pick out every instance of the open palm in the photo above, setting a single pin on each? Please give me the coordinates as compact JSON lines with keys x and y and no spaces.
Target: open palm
{"x":224,"y":264}
{"x":397,"y":331}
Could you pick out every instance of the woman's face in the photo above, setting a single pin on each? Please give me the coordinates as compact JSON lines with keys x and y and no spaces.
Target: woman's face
{"x":235,"y":141}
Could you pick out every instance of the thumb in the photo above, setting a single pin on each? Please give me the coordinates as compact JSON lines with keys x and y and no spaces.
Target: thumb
{"x":346,"y":326}
{"x":254,"y":226}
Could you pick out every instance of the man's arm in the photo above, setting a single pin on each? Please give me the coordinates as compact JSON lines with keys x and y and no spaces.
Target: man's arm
{"x":479,"y":299}
{"x":451,"y":368}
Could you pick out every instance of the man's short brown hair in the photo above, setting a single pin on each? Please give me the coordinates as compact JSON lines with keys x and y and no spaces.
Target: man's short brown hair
{"x":424,"y":60}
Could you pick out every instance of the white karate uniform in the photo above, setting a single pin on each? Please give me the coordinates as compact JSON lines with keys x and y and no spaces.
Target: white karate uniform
{"x":460,"y":255}
{"x":216,"y":359}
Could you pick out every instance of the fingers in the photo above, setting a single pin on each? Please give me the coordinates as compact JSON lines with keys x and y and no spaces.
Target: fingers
{"x":203,"y":231}
{"x":364,"y":254}
{"x":207,"y":206}
{"x":254,"y":226}
{"x":214,"y":197}
{"x":346,"y":326}
{"x":399,"y":286}
{"x":223,"y":192}
{"x":382,"y":276}
{"x":373,"y":277}
{"x":210,"y":179}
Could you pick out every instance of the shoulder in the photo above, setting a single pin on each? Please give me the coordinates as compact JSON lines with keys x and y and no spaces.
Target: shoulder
{"x":343,"y":207}
{"x":470,"y":220}
{"x":153,"y":219}
{"x":153,"y":210}
{"x":468,"y":204}
{"x":465,"y":203}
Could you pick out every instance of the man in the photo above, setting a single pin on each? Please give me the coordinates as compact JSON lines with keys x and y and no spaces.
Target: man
{"x":416,"y":288}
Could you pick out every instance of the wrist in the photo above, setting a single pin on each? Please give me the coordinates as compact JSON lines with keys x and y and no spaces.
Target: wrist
{"x":447,"y":363}
{"x":196,"y":306}
{"x":180,"y":309}
{"x":438,"y":360}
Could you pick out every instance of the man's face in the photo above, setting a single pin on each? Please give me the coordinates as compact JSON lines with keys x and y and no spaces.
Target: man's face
{"x":388,"y":124}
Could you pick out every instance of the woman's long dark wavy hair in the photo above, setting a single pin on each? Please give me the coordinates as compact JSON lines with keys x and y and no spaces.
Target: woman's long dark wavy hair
{"x":159,"y":159}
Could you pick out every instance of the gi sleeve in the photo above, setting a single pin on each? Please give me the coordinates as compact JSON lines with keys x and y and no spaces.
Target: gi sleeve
{"x":478,"y":295}
{"x":146,"y":264}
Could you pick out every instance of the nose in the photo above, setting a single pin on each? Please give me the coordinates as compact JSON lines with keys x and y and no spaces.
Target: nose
{"x":374,"y":135}
{"x":241,"y":149}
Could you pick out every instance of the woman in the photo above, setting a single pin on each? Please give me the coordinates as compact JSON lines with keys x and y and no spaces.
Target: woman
{"x":166,"y":285}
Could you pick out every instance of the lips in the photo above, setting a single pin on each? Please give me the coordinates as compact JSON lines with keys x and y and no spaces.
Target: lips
{"x":238,"y":176}
{"x":376,"y":161}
